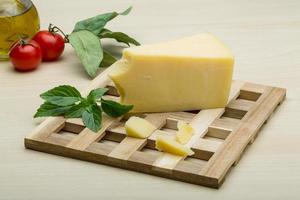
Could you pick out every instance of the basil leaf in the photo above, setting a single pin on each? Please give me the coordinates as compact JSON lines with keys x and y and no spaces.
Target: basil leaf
{"x":63,"y":95}
{"x":118,"y":36}
{"x":75,"y":111}
{"x":89,"y":50}
{"x":49,"y":109}
{"x":114,"y":109}
{"x":96,"y":94}
{"x":92,"y":117}
{"x":107,"y":60}
{"x":97,"y":23}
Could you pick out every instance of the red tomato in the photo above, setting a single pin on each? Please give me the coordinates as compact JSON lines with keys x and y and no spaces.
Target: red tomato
{"x":52,"y":44}
{"x":26,"y":55}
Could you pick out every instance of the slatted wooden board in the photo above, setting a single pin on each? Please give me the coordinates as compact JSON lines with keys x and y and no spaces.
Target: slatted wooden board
{"x":221,"y":136}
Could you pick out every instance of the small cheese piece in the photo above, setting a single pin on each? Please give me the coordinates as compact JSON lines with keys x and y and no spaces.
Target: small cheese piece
{"x":186,"y":74}
{"x":171,"y":146}
{"x":184,"y":133}
{"x":139,"y":127}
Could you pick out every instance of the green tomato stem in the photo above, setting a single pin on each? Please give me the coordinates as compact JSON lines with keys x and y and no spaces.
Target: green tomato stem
{"x":55,"y":29}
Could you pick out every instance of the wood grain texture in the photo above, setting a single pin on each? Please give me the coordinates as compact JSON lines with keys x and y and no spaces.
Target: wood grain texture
{"x":86,"y":136}
{"x":264,"y":37}
{"x":249,"y":106}
{"x":129,"y":145}
{"x":200,"y":124}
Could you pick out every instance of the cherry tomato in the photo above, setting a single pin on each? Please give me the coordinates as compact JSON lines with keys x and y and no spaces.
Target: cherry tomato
{"x":26,"y":55}
{"x":52,"y":44}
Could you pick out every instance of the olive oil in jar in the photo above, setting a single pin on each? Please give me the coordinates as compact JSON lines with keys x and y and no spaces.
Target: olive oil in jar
{"x":18,"y":19}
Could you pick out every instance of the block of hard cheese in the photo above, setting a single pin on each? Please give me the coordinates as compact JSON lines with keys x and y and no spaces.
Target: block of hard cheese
{"x":171,"y":146}
{"x":139,"y":127}
{"x":184,"y":133}
{"x":186,"y":74}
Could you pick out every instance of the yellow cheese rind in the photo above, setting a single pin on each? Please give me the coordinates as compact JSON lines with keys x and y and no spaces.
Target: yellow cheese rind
{"x":171,"y":146}
{"x":186,"y":74}
{"x":184,"y":133}
{"x":138,"y":127}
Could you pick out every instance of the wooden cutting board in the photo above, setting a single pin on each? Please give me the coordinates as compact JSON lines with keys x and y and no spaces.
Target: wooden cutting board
{"x":221,"y":136}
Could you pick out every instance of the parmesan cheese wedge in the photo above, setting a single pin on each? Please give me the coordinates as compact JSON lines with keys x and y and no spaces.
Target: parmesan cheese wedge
{"x":171,"y":146}
{"x":184,"y":133}
{"x":138,"y":127}
{"x":185,"y":74}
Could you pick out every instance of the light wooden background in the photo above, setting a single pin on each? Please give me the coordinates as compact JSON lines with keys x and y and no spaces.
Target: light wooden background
{"x":265,"y":38}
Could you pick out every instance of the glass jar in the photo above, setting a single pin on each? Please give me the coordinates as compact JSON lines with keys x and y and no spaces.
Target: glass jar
{"x":18,"y":19}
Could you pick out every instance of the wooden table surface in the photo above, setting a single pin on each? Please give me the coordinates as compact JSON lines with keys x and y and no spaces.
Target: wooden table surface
{"x":265,"y":38}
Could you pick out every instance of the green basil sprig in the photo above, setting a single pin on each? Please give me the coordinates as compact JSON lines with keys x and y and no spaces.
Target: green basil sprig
{"x":107,"y":60}
{"x":66,"y":100}
{"x":97,"y":23}
{"x":118,"y":36}
{"x":88,"y":48}
{"x":85,"y":40}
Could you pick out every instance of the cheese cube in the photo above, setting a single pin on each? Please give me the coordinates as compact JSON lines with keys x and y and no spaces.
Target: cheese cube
{"x":171,"y":146}
{"x":139,"y":127}
{"x":184,"y":133}
{"x":185,"y":74}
